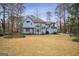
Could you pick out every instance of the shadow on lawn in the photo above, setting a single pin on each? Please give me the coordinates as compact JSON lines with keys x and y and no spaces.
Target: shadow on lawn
{"x":3,"y":54}
{"x":14,"y":36}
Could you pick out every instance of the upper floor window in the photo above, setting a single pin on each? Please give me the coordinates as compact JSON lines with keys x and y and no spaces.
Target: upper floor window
{"x":28,"y":21}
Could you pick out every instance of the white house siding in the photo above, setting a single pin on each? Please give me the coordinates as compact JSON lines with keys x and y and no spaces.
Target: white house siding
{"x":55,"y":30}
{"x":28,"y":24}
{"x":28,"y":30}
{"x":49,"y":30}
{"x":52,"y":28}
{"x":38,"y":28}
{"x":31,"y":24}
{"x":43,"y":27}
{"x":31,"y":27}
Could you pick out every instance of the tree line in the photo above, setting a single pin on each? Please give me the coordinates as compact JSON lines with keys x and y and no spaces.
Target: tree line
{"x":11,"y":17}
{"x":68,"y":18}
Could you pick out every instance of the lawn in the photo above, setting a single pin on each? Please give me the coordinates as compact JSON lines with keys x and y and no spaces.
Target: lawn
{"x":40,"y":45}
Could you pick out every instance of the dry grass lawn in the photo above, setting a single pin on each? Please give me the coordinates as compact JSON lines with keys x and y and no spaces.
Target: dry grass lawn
{"x":43,"y":45}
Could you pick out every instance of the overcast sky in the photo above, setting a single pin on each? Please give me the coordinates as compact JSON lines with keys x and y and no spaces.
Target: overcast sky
{"x":42,"y":9}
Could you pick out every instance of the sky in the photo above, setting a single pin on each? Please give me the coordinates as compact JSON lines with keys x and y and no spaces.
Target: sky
{"x":31,"y":9}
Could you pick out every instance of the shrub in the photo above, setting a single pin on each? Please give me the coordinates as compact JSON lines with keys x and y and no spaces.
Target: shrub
{"x":76,"y":39}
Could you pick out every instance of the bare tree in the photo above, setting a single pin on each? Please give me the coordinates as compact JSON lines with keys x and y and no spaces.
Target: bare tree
{"x":3,"y":7}
{"x":58,"y":12}
{"x":12,"y":16}
{"x":49,"y":15}
{"x":62,"y":10}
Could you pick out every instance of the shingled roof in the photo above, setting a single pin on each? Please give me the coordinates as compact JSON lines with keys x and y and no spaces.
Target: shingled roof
{"x":38,"y":20}
{"x":35,"y":19}
{"x":49,"y":22}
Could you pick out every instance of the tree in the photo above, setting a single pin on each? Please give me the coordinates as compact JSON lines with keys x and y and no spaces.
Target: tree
{"x":12,"y":16}
{"x":16,"y":18}
{"x":61,"y":11}
{"x":58,"y":12}
{"x":3,"y":6}
{"x":20,"y":9}
{"x":74,"y":12}
{"x":49,"y":15}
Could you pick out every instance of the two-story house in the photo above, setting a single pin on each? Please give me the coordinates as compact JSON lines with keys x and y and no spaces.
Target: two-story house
{"x":35,"y":25}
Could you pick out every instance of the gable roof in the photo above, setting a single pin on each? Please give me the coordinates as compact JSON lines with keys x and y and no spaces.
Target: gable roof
{"x":35,"y":19}
{"x":38,"y":20}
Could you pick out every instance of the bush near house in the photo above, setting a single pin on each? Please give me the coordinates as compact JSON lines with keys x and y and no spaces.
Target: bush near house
{"x":76,"y":39}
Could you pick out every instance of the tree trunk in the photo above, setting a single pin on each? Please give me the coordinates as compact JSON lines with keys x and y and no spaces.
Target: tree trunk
{"x":64,"y":22}
{"x":3,"y":23}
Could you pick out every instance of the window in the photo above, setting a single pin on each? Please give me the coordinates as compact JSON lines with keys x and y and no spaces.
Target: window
{"x":43,"y":27}
{"x":27,"y":29}
{"x":55,"y":27}
{"x":52,"y":27}
{"x":31,"y":23}
{"x":28,"y":21}
{"x":37,"y":26}
{"x":38,"y":30}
